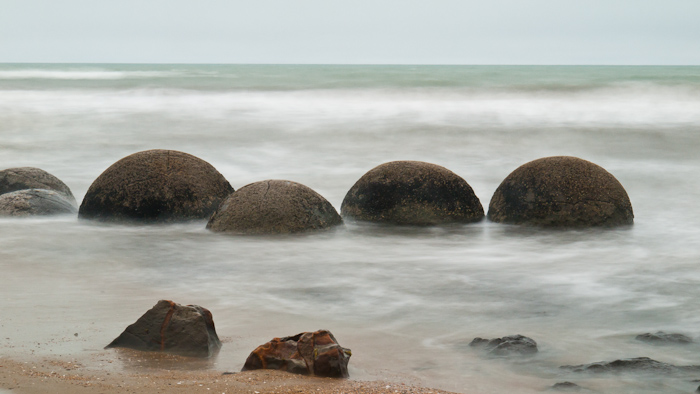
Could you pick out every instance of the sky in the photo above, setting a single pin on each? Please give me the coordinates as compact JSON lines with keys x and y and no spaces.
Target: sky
{"x":655,"y":32}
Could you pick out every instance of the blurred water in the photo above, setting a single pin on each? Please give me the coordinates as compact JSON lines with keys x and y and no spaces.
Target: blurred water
{"x":406,"y":300}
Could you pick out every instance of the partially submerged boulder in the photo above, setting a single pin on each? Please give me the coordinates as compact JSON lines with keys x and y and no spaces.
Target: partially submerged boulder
{"x":412,"y":193}
{"x":273,"y":207}
{"x":512,"y":344}
{"x":561,"y":191}
{"x":308,"y":353}
{"x":36,"y":202}
{"x":157,"y":186}
{"x":21,"y":178}
{"x":662,"y":338}
{"x":172,"y":328}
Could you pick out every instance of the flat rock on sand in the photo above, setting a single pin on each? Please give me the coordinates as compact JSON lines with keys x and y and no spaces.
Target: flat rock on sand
{"x":308,"y":353}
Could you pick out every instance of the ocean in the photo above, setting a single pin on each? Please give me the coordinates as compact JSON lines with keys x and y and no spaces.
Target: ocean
{"x":406,"y":300}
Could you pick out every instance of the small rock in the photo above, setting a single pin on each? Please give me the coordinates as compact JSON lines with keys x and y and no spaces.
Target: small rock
{"x":308,"y":353}
{"x":35,"y":202}
{"x":172,"y":328}
{"x":513,"y":344}
{"x":638,"y":364}
{"x":662,"y":338}
{"x":565,"y":386}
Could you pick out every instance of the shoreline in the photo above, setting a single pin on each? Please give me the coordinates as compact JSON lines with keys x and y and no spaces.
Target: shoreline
{"x":99,"y":375}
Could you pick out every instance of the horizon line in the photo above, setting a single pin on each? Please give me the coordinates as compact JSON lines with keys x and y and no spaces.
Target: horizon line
{"x":364,"y":64}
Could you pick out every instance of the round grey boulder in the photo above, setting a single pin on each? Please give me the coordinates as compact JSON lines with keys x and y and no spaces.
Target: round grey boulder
{"x":561,"y":191}
{"x":36,"y":202}
{"x":273,"y":207}
{"x":20,"y":178}
{"x":155,"y":186}
{"x":412,"y":193}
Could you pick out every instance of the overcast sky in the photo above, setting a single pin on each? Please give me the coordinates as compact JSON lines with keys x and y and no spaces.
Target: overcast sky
{"x":352,"y":32}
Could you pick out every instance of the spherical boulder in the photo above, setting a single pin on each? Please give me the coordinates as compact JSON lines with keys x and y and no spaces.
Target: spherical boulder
{"x":561,"y":191}
{"x":273,"y":207}
{"x":36,"y":202}
{"x":20,"y":178}
{"x":412,"y":193}
{"x":155,"y":186}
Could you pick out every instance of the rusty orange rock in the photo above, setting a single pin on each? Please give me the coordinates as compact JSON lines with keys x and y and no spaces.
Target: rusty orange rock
{"x":308,"y":353}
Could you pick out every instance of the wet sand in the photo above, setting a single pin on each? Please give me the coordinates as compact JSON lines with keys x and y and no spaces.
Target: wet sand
{"x":44,"y":375}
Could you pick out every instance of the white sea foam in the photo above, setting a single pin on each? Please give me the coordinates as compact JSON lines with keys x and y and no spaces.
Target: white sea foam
{"x":80,"y":74}
{"x":302,"y":109}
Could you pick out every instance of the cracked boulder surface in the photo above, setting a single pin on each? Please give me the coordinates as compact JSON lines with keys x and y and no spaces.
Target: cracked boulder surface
{"x":274,"y":207}
{"x":21,"y":178}
{"x":172,"y":328}
{"x":561,"y":191}
{"x":156,"y":186}
{"x":308,"y":353}
{"x":412,"y":193}
{"x":36,"y":202}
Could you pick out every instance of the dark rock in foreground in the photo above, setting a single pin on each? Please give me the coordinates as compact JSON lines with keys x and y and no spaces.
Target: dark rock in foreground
{"x":172,"y":328}
{"x":20,"y":178}
{"x":639,"y":364}
{"x":274,"y":207}
{"x":155,"y":186}
{"x":412,"y":193}
{"x":36,"y":202}
{"x":512,"y":344}
{"x":662,"y":338}
{"x":309,"y":353}
{"x":561,"y":191}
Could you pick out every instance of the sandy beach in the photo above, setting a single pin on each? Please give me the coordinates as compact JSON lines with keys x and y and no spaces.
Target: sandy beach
{"x":45,"y":375}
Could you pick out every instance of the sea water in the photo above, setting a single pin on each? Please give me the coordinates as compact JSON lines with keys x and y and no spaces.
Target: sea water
{"x":406,"y":300}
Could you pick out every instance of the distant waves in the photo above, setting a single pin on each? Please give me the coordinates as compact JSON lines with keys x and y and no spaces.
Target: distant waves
{"x":638,"y":105}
